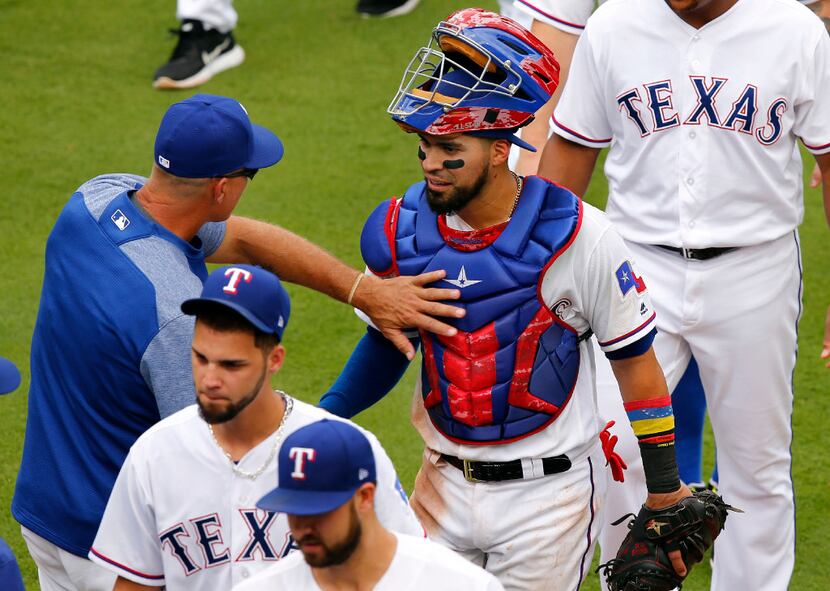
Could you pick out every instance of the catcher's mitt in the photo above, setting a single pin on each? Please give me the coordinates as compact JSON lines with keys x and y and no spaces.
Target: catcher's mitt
{"x":642,"y":562}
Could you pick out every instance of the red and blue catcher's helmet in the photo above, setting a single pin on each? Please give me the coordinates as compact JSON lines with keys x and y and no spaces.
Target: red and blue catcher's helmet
{"x":481,"y":72}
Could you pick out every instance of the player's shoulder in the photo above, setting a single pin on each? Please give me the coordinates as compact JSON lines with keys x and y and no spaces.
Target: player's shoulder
{"x":442,"y":561}
{"x":304,"y":414}
{"x":287,"y":573}
{"x":594,"y":225}
{"x":614,"y":13}
{"x":173,"y":427}
{"x":98,"y":192}
{"x":796,"y":13}
{"x":308,"y":413}
{"x":380,"y":229}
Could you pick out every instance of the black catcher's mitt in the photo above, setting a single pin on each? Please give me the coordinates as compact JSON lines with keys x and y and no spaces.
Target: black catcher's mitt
{"x":642,"y":562}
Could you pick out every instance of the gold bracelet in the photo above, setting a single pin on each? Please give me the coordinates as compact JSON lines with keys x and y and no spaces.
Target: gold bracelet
{"x":357,"y":281}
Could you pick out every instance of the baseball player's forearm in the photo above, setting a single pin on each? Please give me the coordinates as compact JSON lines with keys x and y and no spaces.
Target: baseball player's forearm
{"x":648,"y":406}
{"x":373,"y":369}
{"x":640,"y":377}
{"x":568,"y":164}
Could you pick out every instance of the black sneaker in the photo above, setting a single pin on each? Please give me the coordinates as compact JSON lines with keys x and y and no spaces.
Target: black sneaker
{"x":199,"y":54}
{"x":385,"y":8}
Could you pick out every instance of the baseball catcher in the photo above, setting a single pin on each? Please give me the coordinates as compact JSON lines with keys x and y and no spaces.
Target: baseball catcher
{"x":688,"y":527}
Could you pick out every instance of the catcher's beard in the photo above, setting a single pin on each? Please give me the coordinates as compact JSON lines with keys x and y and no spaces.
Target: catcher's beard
{"x":457,"y":198}
{"x":215,"y":417}
{"x":337,"y":553}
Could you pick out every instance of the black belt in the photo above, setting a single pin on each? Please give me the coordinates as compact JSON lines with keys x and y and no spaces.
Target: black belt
{"x":495,"y":471}
{"x":698,"y":254}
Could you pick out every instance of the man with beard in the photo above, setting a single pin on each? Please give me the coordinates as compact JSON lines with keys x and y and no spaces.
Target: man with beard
{"x":507,"y":408}
{"x":327,"y":487}
{"x":182,"y":513}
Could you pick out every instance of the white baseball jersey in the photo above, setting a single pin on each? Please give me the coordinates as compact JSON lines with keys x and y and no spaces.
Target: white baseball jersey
{"x":702,"y":126}
{"x":418,"y":564}
{"x":692,"y":110}
{"x":180,"y":517}
{"x":566,"y":15}
{"x":593,"y":286}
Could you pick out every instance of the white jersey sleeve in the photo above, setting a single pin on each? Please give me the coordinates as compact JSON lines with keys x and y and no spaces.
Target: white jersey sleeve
{"x":569,"y":16}
{"x":580,"y":114}
{"x":812,"y":113}
{"x":595,"y":285}
{"x":126,"y":542}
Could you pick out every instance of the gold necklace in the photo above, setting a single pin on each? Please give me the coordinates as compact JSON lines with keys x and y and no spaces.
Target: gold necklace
{"x":289,"y":405}
{"x":519,"y":184}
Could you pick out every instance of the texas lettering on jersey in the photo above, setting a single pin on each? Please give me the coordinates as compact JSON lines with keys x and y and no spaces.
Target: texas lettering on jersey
{"x":651,"y":108}
{"x":198,"y":543}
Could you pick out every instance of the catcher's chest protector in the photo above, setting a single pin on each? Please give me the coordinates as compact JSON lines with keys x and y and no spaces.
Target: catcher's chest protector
{"x":513,"y":365}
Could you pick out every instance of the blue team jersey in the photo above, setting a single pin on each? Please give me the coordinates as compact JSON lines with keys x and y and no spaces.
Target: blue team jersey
{"x":110,"y":353}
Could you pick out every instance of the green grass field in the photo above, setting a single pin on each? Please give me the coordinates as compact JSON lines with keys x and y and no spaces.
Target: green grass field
{"x":77,"y":102}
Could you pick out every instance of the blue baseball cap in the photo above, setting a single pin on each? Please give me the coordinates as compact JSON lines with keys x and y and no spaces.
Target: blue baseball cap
{"x":254,"y":293}
{"x":9,"y":376}
{"x":208,"y":136}
{"x":320,"y":467}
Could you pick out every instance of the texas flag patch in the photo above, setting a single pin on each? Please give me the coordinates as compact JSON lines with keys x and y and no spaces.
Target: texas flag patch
{"x":628,"y":280}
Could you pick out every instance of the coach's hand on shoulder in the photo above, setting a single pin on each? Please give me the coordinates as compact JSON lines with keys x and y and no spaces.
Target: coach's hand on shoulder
{"x":404,"y":302}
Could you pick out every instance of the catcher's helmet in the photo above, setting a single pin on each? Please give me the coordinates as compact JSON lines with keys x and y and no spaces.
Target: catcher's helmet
{"x":481,"y":73}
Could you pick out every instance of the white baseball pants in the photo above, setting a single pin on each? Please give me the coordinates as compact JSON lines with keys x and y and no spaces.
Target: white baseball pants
{"x":217,"y":14}
{"x":533,"y":535}
{"x":738,"y":314}
{"x":59,"y":570}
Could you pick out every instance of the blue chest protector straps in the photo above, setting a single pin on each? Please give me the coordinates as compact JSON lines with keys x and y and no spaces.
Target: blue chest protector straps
{"x":373,"y":369}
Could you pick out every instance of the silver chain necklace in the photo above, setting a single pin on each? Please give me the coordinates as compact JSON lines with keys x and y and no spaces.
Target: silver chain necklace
{"x":519,"y":184}
{"x":289,"y":405}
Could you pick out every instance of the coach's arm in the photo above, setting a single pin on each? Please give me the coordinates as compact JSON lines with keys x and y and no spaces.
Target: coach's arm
{"x":392,"y":304}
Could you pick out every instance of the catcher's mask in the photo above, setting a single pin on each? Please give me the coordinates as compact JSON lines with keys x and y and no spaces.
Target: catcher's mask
{"x":481,"y":73}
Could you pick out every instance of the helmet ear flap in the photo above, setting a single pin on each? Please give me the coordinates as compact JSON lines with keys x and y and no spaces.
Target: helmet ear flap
{"x":451,"y":45}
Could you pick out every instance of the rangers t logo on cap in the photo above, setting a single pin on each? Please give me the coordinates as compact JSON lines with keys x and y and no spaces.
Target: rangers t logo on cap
{"x":236,"y":275}
{"x":300,"y":455}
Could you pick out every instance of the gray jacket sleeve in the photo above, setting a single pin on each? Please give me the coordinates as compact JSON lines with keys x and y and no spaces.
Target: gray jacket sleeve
{"x":211,"y":234}
{"x":166,"y":366}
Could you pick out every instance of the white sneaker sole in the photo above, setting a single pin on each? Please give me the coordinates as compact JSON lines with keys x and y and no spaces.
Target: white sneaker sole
{"x":226,"y":61}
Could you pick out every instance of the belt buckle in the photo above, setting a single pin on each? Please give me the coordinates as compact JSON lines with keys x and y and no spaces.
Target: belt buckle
{"x":468,"y":471}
